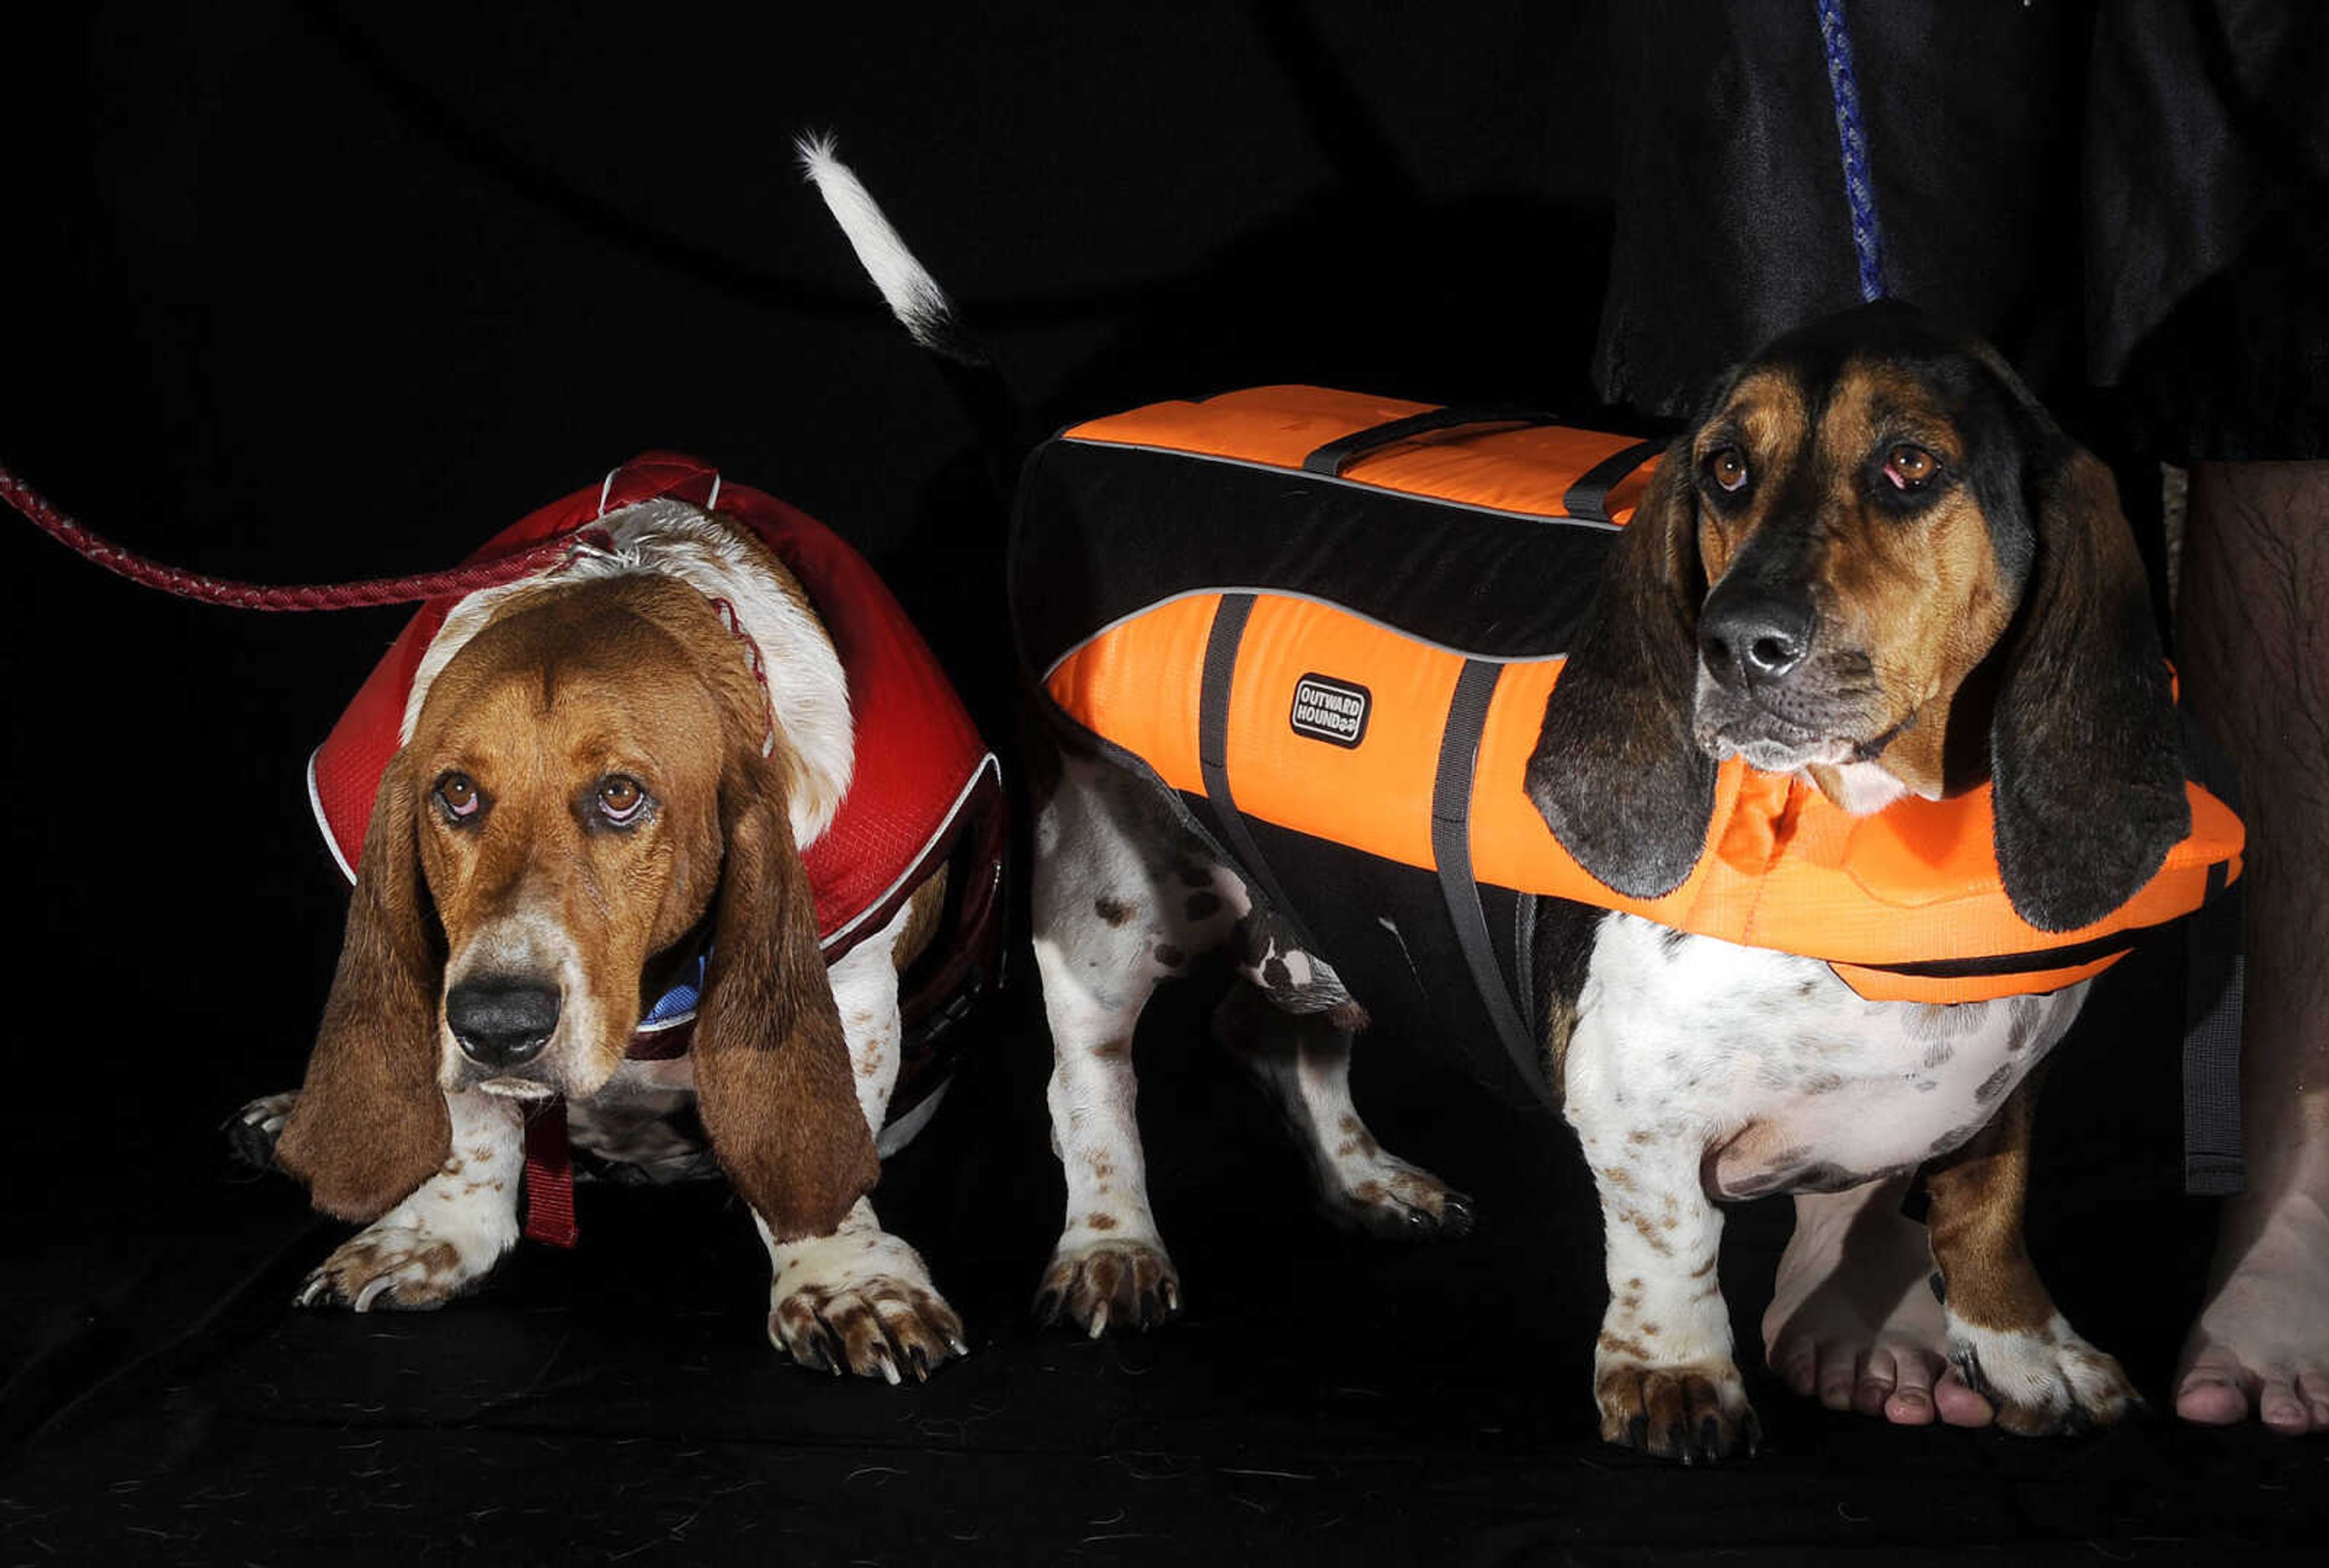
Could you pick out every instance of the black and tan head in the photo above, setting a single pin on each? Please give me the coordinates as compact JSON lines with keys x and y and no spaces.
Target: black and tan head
{"x":583,"y":795}
{"x":1876,"y":562}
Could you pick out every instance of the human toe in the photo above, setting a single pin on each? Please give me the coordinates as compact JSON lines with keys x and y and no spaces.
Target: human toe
{"x":2213,"y":1392}
{"x":1911,"y":1402}
{"x":1878,"y":1377}
{"x":1839,"y":1374}
{"x":1959,"y":1403}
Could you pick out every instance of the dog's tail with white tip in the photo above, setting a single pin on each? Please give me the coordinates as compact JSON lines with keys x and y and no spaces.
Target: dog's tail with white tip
{"x":985,"y":395}
{"x":913,"y":296}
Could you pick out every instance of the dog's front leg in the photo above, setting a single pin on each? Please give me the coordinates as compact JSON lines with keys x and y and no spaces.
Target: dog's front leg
{"x":1662,"y":1372}
{"x":862,"y":1298}
{"x":2005,"y":1333}
{"x":446,"y":1237}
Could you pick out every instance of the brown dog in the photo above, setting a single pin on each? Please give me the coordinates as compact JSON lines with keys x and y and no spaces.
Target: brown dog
{"x":602,"y":768}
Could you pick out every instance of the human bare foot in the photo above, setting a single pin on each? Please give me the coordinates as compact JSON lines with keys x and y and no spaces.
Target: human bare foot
{"x":1853,"y":1320}
{"x":2261,"y":1343}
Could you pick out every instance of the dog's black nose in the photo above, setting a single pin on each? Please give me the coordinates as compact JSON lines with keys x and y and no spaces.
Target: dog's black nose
{"x":1753,"y":638}
{"x":501,"y":1022}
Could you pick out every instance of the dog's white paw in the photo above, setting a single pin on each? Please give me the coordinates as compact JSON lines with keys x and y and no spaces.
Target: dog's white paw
{"x":2044,"y":1381}
{"x":1129,"y":1283}
{"x":1689,"y":1412}
{"x":860,"y":1302}
{"x":394,"y":1263}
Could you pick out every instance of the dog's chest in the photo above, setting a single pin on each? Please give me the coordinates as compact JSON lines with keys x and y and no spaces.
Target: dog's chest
{"x":1795,"y":1083}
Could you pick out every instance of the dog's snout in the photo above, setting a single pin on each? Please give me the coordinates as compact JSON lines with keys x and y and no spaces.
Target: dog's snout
{"x":1754,"y":639}
{"x":502,"y":1021}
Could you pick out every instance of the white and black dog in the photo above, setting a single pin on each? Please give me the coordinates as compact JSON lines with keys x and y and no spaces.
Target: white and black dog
{"x":1871,"y":546}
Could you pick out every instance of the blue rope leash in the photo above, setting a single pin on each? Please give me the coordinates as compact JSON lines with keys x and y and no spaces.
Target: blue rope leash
{"x":1858,"y":188}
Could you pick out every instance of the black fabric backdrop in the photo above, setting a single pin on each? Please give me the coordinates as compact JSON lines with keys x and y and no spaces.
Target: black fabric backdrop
{"x":307,"y":292}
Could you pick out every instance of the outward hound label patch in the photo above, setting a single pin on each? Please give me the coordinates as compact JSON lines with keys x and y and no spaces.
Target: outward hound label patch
{"x":1332,"y":711}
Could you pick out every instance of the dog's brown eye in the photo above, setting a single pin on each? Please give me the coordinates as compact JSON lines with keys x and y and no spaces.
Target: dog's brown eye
{"x":620,"y":797}
{"x":1727,"y":468}
{"x":1909,"y":468}
{"x":457,"y":793}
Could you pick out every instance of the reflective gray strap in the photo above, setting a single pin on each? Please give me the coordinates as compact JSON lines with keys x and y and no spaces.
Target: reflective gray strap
{"x":1451,"y":851}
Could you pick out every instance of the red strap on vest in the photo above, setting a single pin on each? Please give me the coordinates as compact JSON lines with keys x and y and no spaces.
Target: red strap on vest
{"x":550,"y":1178}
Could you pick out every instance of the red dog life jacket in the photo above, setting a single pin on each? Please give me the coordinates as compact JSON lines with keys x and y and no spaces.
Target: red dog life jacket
{"x":924,"y":789}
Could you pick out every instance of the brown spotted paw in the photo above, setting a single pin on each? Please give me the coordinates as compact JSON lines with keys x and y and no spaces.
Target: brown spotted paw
{"x":1692,"y":1412}
{"x":2043,"y":1382}
{"x":400,"y":1266}
{"x":1130,"y":1284}
{"x":861,"y":1303}
{"x":1398,"y":1202}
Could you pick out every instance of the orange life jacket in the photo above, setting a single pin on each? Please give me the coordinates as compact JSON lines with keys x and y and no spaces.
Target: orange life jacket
{"x":1400,"y":611}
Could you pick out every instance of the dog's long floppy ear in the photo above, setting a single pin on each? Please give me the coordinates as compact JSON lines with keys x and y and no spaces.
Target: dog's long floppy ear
{"x":1616,"y":772}
{"x":371,"y":1123}
{"x":2085,"y":747}
{"x":771,"y":1065}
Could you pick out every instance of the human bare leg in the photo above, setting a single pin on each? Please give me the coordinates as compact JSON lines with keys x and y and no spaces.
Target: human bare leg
{"x":2255,"y":655}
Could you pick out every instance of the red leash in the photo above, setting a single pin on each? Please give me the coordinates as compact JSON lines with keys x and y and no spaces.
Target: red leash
{"x":46,"y":516}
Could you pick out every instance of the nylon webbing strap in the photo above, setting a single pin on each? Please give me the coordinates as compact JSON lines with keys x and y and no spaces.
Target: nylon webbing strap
{"x":550,"y":1178}
{"x":1336,"y":456}
{"x":2214,"y":1165}
{"x":1213,"y":759}
{"x":1589,"y":498}
{"x":1451,"y":852}
{"x":2215,"y":995}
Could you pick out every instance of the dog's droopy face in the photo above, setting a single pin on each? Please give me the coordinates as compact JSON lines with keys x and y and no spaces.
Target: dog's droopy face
{"x":594,"y":774}
{"x":1857,"y":523}
{"x":568,"y":764}
{"x":1873,"y":559}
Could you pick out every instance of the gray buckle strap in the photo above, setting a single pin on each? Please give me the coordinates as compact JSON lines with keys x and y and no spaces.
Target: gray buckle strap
{"x":1451,"y":852}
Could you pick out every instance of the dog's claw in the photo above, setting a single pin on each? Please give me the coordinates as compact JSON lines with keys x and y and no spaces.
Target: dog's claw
{"x":372,"y":1292}
{"x":866,"y":1324}
{"x":1113,"y":1284}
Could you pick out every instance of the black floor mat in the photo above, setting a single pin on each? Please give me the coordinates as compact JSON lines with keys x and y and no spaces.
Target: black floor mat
{"x":1325,"y":1397}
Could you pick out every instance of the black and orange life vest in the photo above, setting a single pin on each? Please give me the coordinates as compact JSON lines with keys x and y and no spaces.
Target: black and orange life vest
{"x":1322,"y":620}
